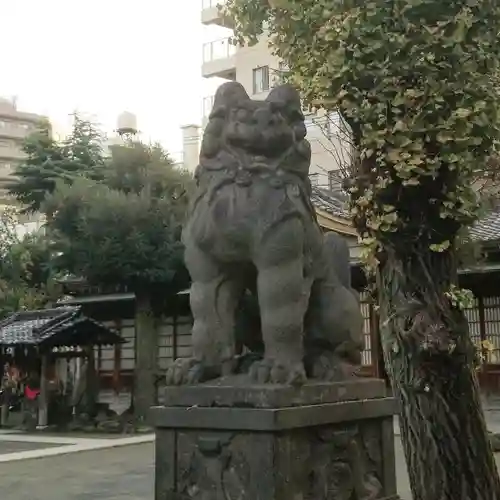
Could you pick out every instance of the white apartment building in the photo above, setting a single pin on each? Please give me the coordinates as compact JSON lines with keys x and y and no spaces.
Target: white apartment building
{"x":258,"y":70}
{"x":15,"y":126}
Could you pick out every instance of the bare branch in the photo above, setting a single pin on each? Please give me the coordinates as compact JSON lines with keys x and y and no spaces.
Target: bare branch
{"x":337,"y":141}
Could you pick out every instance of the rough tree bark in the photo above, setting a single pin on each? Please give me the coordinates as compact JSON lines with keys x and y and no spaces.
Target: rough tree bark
{"x":146,"y":347}
{"x":431,"y":363}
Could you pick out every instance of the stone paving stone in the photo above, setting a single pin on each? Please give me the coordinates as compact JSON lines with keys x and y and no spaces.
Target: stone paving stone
{"x":125,"y":473}
{"x":77,"y":435}
{"x":15,"y":446}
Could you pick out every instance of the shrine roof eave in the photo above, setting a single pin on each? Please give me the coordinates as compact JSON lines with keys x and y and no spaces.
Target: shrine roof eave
{"x":62,"y":326}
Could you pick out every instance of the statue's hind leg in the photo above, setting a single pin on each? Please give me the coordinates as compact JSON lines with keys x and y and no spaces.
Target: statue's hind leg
{"x":214,"y":296}
{"x":334,"y":323}
{"x":334,"y":326}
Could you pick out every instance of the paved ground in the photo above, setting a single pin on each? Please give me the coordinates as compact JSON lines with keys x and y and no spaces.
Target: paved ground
{"x":16,"y":446}
{"x":114,"y":474}
{"x":52,"y":446}
{"x":401,"y":474}
{"x":125,"y":473}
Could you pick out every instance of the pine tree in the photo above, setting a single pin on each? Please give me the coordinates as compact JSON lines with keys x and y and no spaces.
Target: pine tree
{"x":49,"y":162}
{"x":37,"y":175}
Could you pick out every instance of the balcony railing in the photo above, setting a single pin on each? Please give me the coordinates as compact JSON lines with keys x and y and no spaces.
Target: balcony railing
{"x":218,"y":49}
{"x":207,"y":4}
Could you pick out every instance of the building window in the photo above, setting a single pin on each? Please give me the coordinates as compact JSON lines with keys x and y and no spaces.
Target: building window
{"x":25,"y":126}
{"x":314,"y":178}
{"x":4,"y":144}
{"x":261,"y":79}
{"x":3,"y":124}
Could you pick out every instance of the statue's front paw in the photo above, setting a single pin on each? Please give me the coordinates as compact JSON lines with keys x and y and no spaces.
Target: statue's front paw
{"x":185,"y":372}
{"x":272,"y":371}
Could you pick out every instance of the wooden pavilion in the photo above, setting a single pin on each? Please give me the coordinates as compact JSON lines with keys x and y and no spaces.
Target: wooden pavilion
{"x":34,"y":340}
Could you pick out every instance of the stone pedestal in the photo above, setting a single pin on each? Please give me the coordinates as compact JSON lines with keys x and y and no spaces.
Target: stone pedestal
{"x":229,"y":441}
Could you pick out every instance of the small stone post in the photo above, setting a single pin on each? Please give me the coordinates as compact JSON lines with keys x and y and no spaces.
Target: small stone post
{"x":43,"y":398}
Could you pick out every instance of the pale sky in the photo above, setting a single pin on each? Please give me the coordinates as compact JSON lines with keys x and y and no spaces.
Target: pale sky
{"x":106,"y":56}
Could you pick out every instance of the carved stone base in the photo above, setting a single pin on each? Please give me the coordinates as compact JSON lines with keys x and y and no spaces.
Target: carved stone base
{"x":323,"y":441}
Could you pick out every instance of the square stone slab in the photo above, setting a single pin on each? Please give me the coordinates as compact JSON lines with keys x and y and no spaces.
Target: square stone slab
{"x":235,"y":393}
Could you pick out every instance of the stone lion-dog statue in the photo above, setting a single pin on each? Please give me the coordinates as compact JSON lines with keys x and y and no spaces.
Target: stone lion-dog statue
{"x":252,"y":228}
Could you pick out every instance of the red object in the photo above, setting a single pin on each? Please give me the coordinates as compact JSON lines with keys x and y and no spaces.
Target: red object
{"x":31,"y":394}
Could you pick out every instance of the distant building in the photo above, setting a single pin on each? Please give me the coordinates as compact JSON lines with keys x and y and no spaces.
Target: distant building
{"x":259,"y":70}
{"x":191,"y":140}
{"x":15,"y":126}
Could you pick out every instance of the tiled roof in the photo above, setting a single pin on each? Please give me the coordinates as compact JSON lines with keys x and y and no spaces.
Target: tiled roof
{"x":61,"y":326}
{"x":487,"y":228}
{"x":332,"y":202}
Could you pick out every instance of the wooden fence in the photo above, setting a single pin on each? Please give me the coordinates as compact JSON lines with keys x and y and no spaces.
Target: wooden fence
{"x":116,"y":364}
{"x":174,"y":341}
{"x":484,"y":328}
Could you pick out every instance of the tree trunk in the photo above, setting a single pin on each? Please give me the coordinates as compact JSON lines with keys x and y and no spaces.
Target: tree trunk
{"x":146,"y":350}
{"x":432,"y":365}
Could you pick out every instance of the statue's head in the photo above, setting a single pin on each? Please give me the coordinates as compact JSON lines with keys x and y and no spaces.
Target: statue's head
{"x":265,"y":128}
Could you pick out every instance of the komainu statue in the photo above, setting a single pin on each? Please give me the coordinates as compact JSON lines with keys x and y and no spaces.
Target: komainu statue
{"x":252,"y":234}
